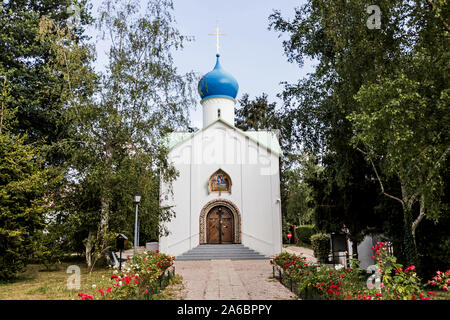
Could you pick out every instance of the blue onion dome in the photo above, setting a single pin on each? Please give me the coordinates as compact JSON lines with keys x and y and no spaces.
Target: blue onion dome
{"x":218,"y":83}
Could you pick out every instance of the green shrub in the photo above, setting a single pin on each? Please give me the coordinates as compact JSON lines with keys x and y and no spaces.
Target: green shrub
{"x":321,"y":245}
{"x":329,"y":283}
{"x":283,"y":258}
{"x":141,"y":276}
{"x":304,"y":233}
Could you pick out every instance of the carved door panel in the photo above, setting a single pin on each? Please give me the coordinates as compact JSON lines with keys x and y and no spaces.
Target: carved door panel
{"x":213,"y":227}
{"x":219,"y":225}
{"x":227,"y":227}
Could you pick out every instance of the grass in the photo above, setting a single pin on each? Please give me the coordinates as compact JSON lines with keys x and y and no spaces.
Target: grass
{"x":38,"y":284}
{"x":173,"y":291}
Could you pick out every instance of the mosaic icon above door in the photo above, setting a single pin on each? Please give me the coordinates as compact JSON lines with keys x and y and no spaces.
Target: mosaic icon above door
{"x":220,"y":182}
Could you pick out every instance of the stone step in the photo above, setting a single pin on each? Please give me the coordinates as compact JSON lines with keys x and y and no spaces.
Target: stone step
{"x":221,"y":251}
{"x":180,"y":258}
{"x":226,"y":251}
{"x":209,"y":256}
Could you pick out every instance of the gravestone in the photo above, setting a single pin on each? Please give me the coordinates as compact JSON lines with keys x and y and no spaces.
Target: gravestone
{"x":338,"y":247}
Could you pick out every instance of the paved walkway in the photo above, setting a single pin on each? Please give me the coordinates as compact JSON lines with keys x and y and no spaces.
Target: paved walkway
{"x":302,"y":252}
{"x":229,"y":279}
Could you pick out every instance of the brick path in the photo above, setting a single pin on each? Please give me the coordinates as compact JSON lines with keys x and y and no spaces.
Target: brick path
{"x":230,"y":279}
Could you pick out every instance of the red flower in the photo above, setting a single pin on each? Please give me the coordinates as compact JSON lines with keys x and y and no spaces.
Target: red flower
{"x":410,"y":268}
{"x":399,"y":270}
{"x":85,"y":296}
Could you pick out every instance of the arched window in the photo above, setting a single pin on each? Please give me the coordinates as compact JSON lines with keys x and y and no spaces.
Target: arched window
{"x":218,"y":113}
{"x":220,"y":182}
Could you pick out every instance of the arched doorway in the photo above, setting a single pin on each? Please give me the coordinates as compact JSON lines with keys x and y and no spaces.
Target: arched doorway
{"x":219,"y":226}
{"x":220,"y":222}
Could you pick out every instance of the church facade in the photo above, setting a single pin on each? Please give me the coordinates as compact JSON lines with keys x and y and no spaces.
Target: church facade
{"x":228,"y":188}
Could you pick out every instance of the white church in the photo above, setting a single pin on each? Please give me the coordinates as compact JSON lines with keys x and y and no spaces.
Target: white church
{"x":228,"y":188}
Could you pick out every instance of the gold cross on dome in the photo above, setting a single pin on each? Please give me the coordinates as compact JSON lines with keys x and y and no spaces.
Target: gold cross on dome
{"x":217,"y":34}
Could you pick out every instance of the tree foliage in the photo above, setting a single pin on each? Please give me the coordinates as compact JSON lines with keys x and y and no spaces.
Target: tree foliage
{"x":23,"y":191}
{"x":118,"y":118}
{"x":375,"y":107}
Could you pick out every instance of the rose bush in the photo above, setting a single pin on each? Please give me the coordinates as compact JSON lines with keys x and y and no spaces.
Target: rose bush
{"x":441,"y":280}
{"x":395,"y":281}
{"x":137,"y":278}
{"x":330,"y":283}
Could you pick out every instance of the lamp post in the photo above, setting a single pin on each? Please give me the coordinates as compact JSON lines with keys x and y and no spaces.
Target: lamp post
{"x":137,"y":199}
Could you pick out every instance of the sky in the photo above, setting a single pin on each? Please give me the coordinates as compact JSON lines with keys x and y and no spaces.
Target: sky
{"x":251,"y":52}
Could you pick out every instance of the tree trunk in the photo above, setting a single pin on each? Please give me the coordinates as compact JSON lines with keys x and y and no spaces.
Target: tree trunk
{"x":103,"y":231}
{"x":409,"y":241}
{"x":89,"y":245}
{"x":420,"y":217}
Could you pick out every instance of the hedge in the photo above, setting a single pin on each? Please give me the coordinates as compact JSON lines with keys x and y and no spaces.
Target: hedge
{"x":321,"y":245}
{"x":304,"y":233}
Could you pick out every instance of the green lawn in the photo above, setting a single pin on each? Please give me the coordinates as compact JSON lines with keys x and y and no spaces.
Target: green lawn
{"x":38,"y":284}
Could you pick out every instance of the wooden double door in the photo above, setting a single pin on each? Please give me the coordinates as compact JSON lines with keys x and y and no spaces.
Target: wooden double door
{"x":219,"y":224}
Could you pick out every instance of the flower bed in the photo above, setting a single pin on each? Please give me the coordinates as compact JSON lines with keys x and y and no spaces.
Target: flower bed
{"x":143,"y":275}
{"x":313,"y":282}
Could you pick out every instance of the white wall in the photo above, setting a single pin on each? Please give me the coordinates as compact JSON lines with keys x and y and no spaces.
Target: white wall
{"x":254,"y":172}
{"x":211,"y":106}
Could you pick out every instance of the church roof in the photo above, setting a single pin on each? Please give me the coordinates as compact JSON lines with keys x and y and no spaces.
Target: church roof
{"x":267,"y":139}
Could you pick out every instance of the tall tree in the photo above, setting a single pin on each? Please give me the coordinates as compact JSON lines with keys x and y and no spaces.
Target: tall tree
{"x":257,"y":114}
{"x":35,"y":91}
{"x":261,"y":114}
{"x":357,"y":59}
{"x":120,"y":123}
{"x":23,"y":186}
